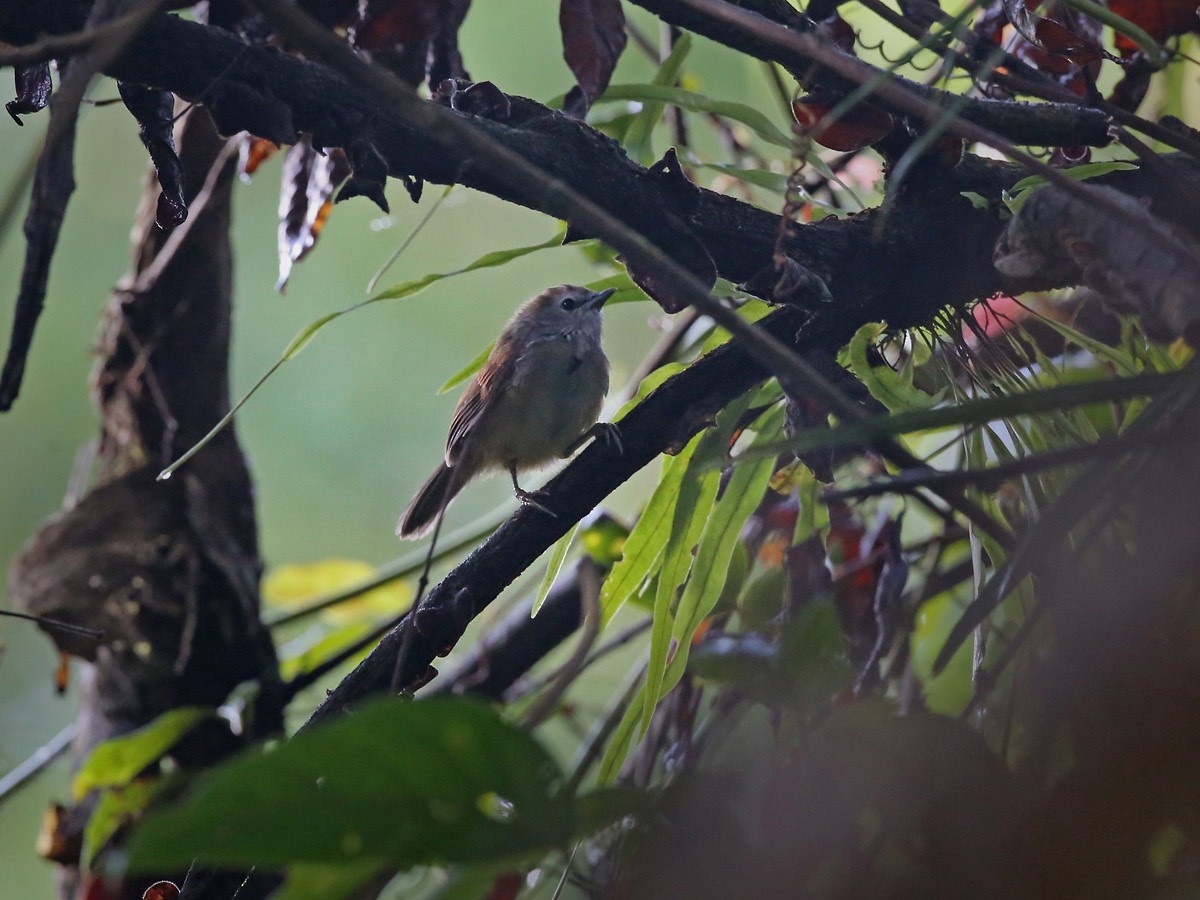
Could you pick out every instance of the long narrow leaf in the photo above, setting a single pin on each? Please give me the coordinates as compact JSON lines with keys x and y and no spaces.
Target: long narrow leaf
{"x":648,"y":538}
{"x":621,"y":741}
{"x":637,"y":137}
{"x":742,"y":496}
{"x":696,"y":496}
{"x":558,"y":555}
{"x":739,"y":112}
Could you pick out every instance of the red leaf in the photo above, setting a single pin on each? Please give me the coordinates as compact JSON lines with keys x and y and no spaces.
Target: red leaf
{"x":1057,"y":38}
{"x":162,"y":890}
{"x":1160,"y":19}
{"x":416,"y":39}
{"x":593,"y":33}
{"x":859,"y":127}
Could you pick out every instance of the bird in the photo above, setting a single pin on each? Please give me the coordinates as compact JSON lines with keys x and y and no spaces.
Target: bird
{"x":537,"y":398}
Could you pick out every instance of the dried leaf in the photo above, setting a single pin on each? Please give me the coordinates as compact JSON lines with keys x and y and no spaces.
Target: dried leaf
{"x":593,"y":33}
{"x":33,"y":87}
{"x":252,"y":153}
{"x":368,"y":176}
{"x":155,"y":114}
{"x":689,"y":253}
{"x":305,"y":201}
{"x":416,"y":39}
{"x":1136,"y":262}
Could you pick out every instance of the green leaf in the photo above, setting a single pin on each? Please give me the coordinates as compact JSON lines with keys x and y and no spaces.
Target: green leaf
{"x":1079,"y":173}
{"x":442,"y":780}
{"x":1015,"y":196}
{"x":738,"y":112}
{"x":114,"y":809}
{"x":304,"y":337}
{"x":893,"y":389}
{"x":713,"y":555}
{"x":648,"y":538}
{"x":696,"y":495}
{"x":622,"y":284}
{"x":621,"y":740}
{"x":604,"y":539}
{"x":117,"y":761}
{"x":487,"y":261}
{"x":468,"y":370}
{"x":977,"y":200}
{"x":776,"y":182}
{"x":637,"y":137}
{"x":648,"y":385}
{"x":1121,"y":361}
{"x":558,"y":555}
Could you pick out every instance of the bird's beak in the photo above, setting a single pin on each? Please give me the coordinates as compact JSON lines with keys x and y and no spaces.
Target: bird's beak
{"x":599,"y":298}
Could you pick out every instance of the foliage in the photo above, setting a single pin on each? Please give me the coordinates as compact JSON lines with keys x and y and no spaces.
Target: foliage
{"x":896,"y":610}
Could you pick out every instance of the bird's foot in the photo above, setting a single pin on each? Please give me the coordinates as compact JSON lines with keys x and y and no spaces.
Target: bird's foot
{"x":533,"y":498}
{"x":608,"y":432}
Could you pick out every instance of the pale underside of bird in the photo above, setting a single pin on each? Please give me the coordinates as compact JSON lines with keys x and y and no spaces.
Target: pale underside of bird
{"x":535,"y":400}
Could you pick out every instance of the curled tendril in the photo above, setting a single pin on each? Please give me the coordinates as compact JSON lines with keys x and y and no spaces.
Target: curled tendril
{"x":906,"y":58}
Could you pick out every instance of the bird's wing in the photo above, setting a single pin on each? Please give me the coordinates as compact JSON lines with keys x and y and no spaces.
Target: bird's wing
{"x":474,"y":401}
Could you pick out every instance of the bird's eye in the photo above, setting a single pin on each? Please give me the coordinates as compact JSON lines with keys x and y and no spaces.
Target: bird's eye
{"x":568,"y":303}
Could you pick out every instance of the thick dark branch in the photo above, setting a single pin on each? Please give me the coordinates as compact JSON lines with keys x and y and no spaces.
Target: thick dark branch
{"x":54,"y":182}
{"x":665,"y":419}
{"x":939,"y":256}
{"x":815,"y":62}
{"x":516,"y":644}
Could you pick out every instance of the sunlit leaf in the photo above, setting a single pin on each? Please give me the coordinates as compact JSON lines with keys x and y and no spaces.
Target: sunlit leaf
{"x":296,"y":584}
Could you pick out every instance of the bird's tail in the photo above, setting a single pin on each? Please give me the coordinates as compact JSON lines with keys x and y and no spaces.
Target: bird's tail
{"x":434,"y":496}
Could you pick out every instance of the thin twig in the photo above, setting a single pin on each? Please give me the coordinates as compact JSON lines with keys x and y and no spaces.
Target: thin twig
{"x":54,"y":624}
{"x":36,"y":762}
{"x":990,"y":478}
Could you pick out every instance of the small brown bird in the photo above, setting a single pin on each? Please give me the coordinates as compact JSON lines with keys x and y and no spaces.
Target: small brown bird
{"x":536,"y":399}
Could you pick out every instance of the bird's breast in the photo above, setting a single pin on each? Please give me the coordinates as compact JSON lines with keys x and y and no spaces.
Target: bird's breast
{"x":555,"y":396}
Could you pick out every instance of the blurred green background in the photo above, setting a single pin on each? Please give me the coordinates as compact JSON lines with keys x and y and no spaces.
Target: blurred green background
{"x":342,"y":436}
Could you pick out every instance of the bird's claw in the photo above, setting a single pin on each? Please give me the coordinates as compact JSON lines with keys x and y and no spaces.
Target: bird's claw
{"x":532,"y":498}
{"x":610,"y":433}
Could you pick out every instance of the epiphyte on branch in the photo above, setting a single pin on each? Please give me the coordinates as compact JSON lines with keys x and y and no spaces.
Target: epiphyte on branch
{"x":1137,"y":262}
